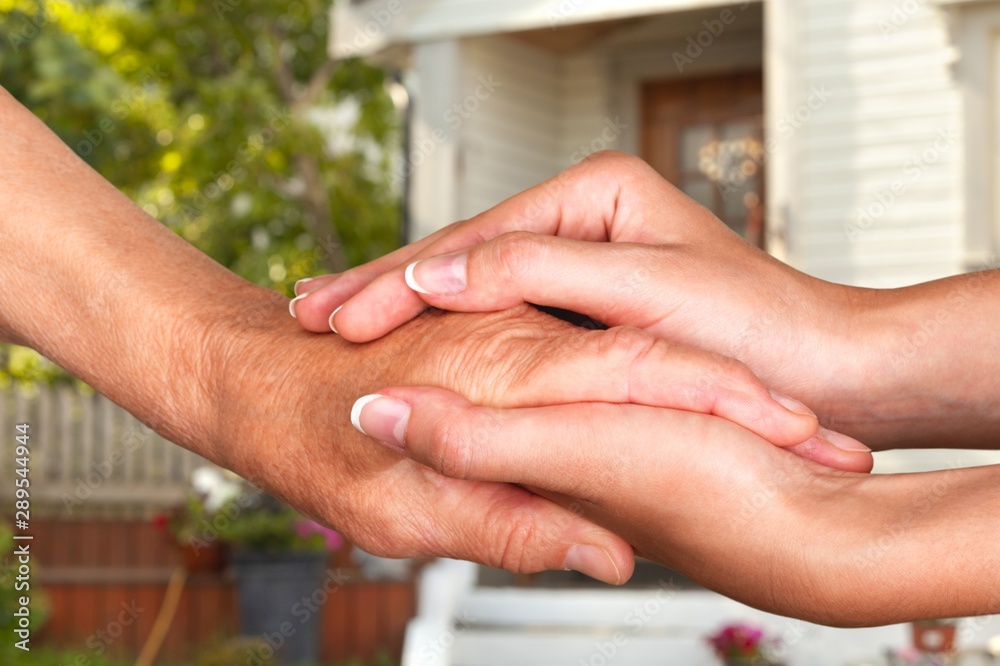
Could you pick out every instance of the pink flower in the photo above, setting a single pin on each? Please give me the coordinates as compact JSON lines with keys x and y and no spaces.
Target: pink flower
{"x":737,"y":640}
{"x":306,"y":528}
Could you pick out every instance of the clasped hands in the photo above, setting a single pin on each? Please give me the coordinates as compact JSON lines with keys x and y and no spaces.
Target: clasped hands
{"x":520,"y":441}
{"x":650,"y":429}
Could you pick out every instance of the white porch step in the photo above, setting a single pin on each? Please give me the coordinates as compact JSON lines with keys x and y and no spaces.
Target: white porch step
{"x":460,"y":624}
{"x":631,"y":610}
{"x":541,"y":648}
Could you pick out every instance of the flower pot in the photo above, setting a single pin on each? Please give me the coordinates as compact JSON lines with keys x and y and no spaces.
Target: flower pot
{"x":203,"y":558}
{"x":752,"y":661}
{"x":934,"y":636}
{"x":269,"y":586}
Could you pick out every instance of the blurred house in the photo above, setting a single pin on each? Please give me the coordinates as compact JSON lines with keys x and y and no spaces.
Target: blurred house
{"x":861,"y":134}
{"x":854,"y":139}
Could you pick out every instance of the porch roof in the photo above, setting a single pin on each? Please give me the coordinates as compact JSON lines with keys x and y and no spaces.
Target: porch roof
{"x":367,"y":27}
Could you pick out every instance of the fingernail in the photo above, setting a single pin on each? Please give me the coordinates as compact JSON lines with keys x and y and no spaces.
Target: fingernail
{"x":301,"y":283}
{"x":593,"y":562}
{"x":438,"y":275}
{"x":843,"y":442}
{"x":330,"y":320}
{"x":383,"y":419}
{"x":291,"y":306}
{"x":791,"y":404}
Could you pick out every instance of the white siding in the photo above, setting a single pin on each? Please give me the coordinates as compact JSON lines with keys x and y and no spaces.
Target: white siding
{"x":552,"y":110}
{"x":891,"y":96}
{"x":511,"y":139}
{"x":891,"y":92}
{"x":584,"y":108}
{"x":545,"y":113}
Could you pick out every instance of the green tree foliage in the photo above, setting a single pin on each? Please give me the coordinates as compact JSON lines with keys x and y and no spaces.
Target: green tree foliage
{"x":210,"y":116}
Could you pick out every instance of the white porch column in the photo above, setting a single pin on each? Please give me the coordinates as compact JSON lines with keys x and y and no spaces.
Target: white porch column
{"x":431,"y":164}
{"x":781,"y":79}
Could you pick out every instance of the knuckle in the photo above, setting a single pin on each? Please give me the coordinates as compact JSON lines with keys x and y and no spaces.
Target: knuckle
{"x":623,"y":349}
{"x":616,"y":166}
{"x":516,"y":253}
{"x":625,"y":344}
{"x":450,"y":451}
{"x":611,"y":159}
{"x":516,"y":544}
{"x":737,"y":372}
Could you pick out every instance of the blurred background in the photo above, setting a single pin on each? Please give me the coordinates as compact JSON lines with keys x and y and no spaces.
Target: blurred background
{"x":854,"y":139}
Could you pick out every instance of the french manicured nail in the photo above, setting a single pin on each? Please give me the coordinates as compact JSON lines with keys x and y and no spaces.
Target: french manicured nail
{"x":330,"y":320}
{"x":593,"y":562}
{"x":791,"y":404}
{"x":438,"y":275}
{"x":300,"y":285}
{"x":383,"y":419}
{"x":291,"y":306}
{"x":843,"y":442}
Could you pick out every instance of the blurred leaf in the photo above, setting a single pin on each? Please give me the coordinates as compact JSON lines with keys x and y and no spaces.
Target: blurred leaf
{"x":195,"y":110}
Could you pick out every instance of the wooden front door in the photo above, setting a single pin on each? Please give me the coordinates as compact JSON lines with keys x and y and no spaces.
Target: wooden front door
{"x":705,"y":135}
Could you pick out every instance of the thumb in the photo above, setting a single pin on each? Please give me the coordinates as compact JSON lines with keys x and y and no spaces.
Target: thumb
{"x":497,"y":524}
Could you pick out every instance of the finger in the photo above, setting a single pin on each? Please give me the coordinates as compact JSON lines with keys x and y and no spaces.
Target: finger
{"x":316,"y":299}
{"x":622,"y":365}
{"x":584,"y":450}
{"x":507,"y":527}
{"x":614,"y":283}
{"x":609,"y":282}
{"x":835,"y":450}
{"x":306,"y":285}
{"x":552,"y":448}
{"x":582,"y":203}
{"x":626,"y":365}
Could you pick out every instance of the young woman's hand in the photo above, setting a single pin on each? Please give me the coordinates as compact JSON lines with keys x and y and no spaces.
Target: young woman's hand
{"x":895,"y":368}
{"x":672,"y":269}
{"x":286,"y":396}
{"x":719,"y":504}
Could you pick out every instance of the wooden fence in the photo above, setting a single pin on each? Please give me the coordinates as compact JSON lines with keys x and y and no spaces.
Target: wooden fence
{"x":93,"y":570}
{"x":97,"y":475}
{"x":91,"y":457}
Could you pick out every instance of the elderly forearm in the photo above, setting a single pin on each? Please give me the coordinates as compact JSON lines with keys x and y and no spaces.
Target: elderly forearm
{"x":101,"y":288}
